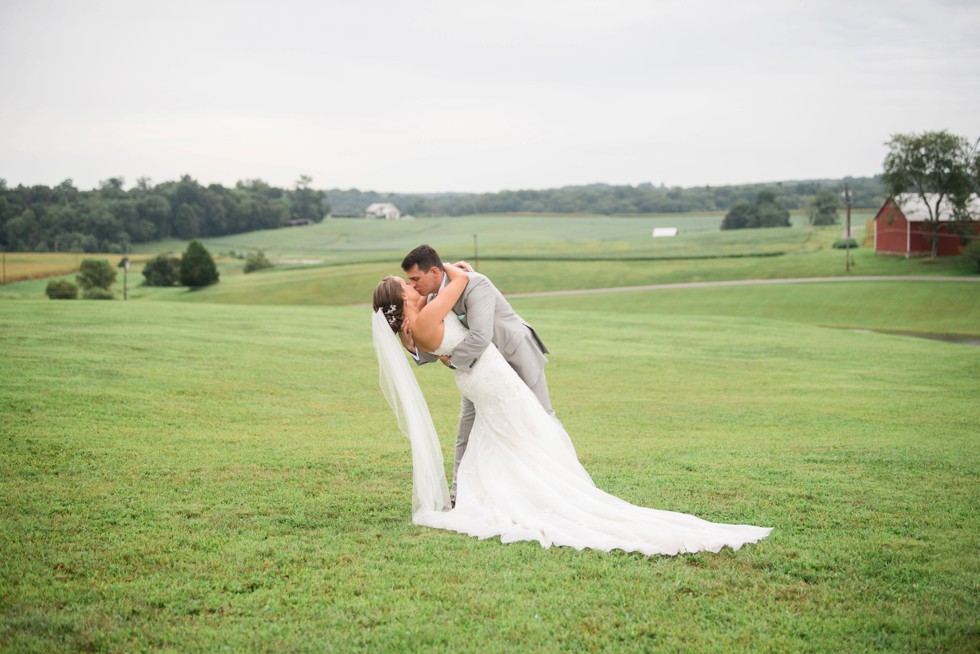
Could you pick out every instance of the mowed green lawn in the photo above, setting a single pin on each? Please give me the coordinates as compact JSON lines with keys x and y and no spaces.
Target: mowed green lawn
{"x":202,"y":477}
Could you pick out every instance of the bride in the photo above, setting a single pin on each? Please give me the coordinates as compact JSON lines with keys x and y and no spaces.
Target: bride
{"x":520,"y":478}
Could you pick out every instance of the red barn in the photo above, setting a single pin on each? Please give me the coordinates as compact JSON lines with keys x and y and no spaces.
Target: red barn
{"x":902,"y":226}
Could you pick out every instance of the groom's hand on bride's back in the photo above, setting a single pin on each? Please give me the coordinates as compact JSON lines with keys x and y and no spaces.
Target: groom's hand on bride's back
{"x":405,"y":333}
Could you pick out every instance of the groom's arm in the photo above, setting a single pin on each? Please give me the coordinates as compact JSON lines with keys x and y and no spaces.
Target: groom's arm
{"x":480,"y":303}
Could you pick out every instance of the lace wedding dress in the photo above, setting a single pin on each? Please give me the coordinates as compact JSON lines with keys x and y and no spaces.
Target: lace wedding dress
{"x":521,"y":480}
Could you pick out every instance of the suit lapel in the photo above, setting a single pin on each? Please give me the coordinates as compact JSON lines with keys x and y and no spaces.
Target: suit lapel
{"x":459,"y":308}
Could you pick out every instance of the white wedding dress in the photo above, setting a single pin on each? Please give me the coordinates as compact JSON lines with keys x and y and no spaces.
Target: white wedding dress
{"x":521,"y":480}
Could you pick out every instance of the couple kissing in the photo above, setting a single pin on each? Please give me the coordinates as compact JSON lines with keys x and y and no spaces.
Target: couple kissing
{"x":516,"y":474}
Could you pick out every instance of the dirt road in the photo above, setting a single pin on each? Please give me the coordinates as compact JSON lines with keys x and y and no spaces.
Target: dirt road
{"x":749,"y":282}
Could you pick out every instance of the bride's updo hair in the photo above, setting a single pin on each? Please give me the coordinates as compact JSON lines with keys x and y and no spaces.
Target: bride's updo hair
{"x":388,"y":298}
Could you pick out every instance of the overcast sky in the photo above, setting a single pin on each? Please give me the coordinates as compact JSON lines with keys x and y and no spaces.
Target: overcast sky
{"x":426,"y":96}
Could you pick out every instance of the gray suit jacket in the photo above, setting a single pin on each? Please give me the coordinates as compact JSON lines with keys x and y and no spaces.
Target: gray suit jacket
{"x":490,"y":319}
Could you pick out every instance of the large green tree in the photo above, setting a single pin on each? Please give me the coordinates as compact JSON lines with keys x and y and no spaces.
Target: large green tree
{"x":307,"y":203}
{"x":938,"y":167}
{"x":772,"y":213}
{"x":740,"y":216}
{"x":197,"y":267}
{"x":766,"y":211}
{"x":822,"y":210}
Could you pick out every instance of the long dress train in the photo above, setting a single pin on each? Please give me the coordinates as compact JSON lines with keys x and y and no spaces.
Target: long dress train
{"x":521,"y":480}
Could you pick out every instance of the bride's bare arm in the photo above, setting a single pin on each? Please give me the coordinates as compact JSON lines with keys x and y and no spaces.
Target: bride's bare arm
{"x":431,"y":315}
{"x":405,"y":333}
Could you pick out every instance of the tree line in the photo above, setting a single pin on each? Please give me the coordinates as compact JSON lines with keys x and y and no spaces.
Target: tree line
{"x":109,"y":218}
{"x":605,"y":199}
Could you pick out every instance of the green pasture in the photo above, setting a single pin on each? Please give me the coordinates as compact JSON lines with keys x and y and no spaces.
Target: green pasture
{"x":346,"y":240}
{"x":201,"y":476}
{"x":217,"y":469}
{"x":338,"y":261}
{"x":935,"y":308}
{"x":353,"y":283}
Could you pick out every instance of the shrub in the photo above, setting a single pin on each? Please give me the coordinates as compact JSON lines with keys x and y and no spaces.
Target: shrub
{"x":98,"y":294}
{"x":972,"y":253}
{"x":197,"y":267}
{"x":256,"y":261}
{"x":845,"y":243}
{"x":161,"y":270}
{"x":61,"y":289}
{"x":95,"y":273}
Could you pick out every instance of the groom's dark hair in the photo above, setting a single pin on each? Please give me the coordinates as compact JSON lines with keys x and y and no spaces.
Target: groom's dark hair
{"x":424,"y":257}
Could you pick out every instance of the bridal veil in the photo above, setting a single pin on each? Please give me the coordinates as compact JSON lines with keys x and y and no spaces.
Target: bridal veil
{"x":430,"y":492}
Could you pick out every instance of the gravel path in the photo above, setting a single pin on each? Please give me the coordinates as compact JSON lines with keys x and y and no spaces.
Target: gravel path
{"x":750,"y":282}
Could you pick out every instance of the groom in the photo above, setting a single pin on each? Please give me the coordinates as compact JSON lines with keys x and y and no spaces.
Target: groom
{"x":490,"y":319}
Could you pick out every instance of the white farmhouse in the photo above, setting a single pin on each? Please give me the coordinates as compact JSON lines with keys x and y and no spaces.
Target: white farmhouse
{"x":384,"y":210}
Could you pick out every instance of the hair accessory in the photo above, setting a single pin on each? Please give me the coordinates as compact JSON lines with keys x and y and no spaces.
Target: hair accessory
{"x":391,"y":313}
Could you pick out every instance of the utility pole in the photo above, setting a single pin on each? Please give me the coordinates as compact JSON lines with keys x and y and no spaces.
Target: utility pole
{"x":847,"y":234}
{"x":124,"y":264}
{"x":476,"y":255}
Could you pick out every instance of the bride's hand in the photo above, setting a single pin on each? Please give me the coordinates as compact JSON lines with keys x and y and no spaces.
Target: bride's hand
{"x":453,"y":271}
{"x":465,"y":266}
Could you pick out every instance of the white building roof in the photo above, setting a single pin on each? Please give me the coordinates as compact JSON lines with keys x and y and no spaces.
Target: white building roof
{"x":914,"y":209}
{"x":381,"y":206}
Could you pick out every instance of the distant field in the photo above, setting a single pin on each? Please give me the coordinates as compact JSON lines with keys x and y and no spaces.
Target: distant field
{"x":21,"y":266}
{"x":339,"y":261}
{"x":342,"y":240}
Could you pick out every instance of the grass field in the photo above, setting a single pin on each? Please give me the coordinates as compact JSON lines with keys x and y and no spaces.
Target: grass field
{"x":357,"y":241}
{"x":521,"y":254}
{"x":200,"y":477}
{"x":217,"y":469}
{"x":342,"y":241}
{"x":924,"y":307}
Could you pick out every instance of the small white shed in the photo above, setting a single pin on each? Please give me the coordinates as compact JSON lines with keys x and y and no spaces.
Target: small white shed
{"x":385,"y":210}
